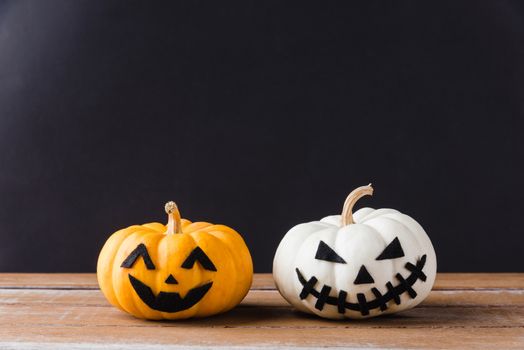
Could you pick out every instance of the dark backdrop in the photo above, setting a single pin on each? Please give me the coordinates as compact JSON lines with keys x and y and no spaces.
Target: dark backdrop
{"x":259,"y":115}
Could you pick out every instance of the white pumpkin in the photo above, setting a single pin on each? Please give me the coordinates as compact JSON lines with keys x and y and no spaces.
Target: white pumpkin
{"x":356,"y":266}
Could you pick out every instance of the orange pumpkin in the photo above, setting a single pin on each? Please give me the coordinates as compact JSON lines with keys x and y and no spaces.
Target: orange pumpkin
{"x":175,"y":271}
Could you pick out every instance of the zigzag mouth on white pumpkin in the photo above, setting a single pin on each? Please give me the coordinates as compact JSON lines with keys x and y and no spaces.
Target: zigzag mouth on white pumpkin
{"x":363,"y":306}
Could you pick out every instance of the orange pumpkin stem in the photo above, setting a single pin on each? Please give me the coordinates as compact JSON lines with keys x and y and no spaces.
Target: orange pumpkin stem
{"x":173,"y":218}
{"x":352,"y":198}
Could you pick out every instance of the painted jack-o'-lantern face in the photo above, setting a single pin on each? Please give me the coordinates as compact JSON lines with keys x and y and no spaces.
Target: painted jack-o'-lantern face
{"x":176,"y":271}
{"x":372,"y":263}
{"x":169,"y":301}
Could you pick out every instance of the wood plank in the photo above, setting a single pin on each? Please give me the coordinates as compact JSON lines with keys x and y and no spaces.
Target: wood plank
{"x":444,"y":281}
{"x":453,"y":281}
{"x":256,"y":323}
{"x":93,"y":337}
{"x":267,"y":317}
{"x":67,"y":311}
{"x":48,"y":280}
{"x":263,"y":281}
{"x":31,"y":297}
{"x":260,"y":308}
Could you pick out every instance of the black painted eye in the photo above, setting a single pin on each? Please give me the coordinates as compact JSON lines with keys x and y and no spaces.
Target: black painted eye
{"x":140,"y":251}
{"x":392,"y":251}
{"x":324,"y":252}
{"x":198,"y":255}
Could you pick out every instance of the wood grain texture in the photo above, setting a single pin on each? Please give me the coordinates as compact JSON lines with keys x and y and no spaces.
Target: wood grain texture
{"x":67,"y":311}
{"x":48,"y":280}
{"x":449,"y":281}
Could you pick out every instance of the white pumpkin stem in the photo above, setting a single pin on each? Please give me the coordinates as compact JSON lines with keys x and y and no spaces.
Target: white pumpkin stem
{"x":352,"y":198}
{"x":173,"y":218}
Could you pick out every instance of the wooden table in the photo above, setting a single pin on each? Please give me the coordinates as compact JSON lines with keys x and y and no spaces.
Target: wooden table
{"x":67,"y":311}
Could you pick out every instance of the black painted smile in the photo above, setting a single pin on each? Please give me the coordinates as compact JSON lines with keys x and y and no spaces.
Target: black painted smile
{"x":168,"y":301}
{"x":363,"y":305}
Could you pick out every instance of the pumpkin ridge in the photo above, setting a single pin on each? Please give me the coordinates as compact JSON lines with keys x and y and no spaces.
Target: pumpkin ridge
{"x":115,"y":268}
{"x":105,"y":279}
{"x":129,"y":300}
{"x":422,"y":240}
{"x":206,"y":235}
{"x":184,"y":223}
{"x":135,"y":232}
{"x":395,"y":264}
{"x":234,"y":239}
{"x":315,"y":235}
{"x":337,"y":242}
{"x":408,"y":228}
{"x":193,"y":310}
{"x":196,"y":226}
{"x":153,"y":240}
{"x":198,"y":307}
{"x":378,"y":213}
{"x":155,"y":226}
{"x":412,"y":235}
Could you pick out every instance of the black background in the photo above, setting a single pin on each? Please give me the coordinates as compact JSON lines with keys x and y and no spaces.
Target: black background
{"x":259,"y":115}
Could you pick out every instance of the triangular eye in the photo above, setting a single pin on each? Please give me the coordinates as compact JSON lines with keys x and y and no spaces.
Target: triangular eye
{"x":198,"y":255}
{"x":392,"y":251}
{"x":324,"y":252}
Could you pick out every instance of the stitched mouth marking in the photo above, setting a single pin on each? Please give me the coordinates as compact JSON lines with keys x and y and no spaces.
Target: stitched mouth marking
{"x":363,"y":306}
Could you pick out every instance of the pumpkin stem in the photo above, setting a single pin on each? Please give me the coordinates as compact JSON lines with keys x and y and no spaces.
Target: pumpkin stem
{"x":173,"y":218}
{"x":352,"y":198}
